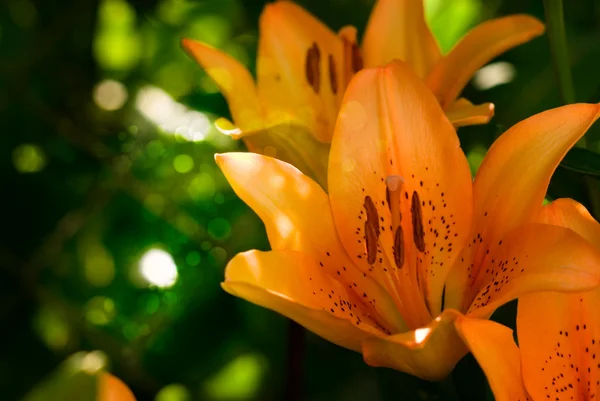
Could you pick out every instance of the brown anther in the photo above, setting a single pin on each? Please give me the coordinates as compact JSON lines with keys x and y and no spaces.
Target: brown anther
{"x":399,"y":247}
{"x":417,"y":222}
{"x":357,"y":61}
{"x":372,"y":215}
{"x":371,"y":238}
{"x":312,"y":67}
{"x":332,"y":75}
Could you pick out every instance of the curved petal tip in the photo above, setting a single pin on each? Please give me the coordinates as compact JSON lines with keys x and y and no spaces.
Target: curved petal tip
{"x":429,"y":352}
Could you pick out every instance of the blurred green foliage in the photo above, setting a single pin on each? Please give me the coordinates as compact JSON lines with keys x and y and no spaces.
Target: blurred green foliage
{"x":118,"y":224}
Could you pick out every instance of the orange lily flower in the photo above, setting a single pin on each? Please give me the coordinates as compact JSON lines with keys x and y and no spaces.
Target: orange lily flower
{"x":365,"y":266}
{"x":111,"y":388}
{"x":303,"y":69}
{"x":558,"y":357}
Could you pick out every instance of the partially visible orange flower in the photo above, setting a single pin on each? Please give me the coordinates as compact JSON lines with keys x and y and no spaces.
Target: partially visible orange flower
{"x":111,"y":388}
{"x":558,"y":357}
{"x":366,"y":266}
{"x":303,"y":69}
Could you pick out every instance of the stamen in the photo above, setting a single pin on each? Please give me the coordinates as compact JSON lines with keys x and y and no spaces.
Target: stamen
{"x":417,"y":222}
{"x":372,"y":215}
{"x":371,"y":240}
{"x":393,"y":191}
{"x":357,"y":61}
{"x":352,"y":60}
{"x":332,"y":75}
{"x":399,"y":247}
{"x":312,"y":67}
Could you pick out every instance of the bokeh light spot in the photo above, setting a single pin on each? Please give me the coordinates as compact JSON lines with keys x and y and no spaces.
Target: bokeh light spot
{"x":174,"y":392}
{"x":93,"y":362}
{"x":183,"y":163}
{"x":202,"y":187}
{"x":217,"y":256}
{"x":193,"y":258}
{"x":158,"y":268}
{"x":28,"y":158}
{"x":219,"y":198}
{"x":110,"y":95}
{"x":150,"y":303}
{"x":238,"y":380}
{"x":155,"y":203}
{"x":23,"y":13}
{"x":172,"y":117}
{"x":52,"y":327}
{"x":98,"y":263}
{"x":117,"y":45}
{"x":219,"y":228}
{"x":494,"y":74}
{"x":211,"y":29}
{"x":100,"y":310}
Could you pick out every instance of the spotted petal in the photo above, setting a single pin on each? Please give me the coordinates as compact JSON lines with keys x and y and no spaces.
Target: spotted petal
{"x":479,"y":46}
{"x":509,"y":189}
{"x":559,"y":337}
{"x":493,"y":346}
{"x":430,"y":352}
{"x":299,"y":68}
{"x":397,"y":30}
{"x":297,"y":216}
{"x":293,"y":284}
{"x":560,"y":333}
{"x":534,"y":257}
{"x":396,"y":161}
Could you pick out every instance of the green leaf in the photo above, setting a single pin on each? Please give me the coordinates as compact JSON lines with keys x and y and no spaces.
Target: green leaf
{"x":583,"y":161}
{"x":73,"y":380}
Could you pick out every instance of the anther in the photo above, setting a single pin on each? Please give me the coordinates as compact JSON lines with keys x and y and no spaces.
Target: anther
{"x":417,"y":222}
{"x":312,"y":67}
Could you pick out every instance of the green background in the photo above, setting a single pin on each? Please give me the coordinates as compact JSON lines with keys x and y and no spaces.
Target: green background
{"x":99,"y":167}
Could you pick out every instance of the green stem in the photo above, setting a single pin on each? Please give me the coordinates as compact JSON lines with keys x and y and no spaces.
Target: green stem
{"x":558,"y":46}
{"x":295,"y":354}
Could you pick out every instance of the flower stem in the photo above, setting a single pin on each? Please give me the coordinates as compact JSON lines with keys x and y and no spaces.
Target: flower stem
{"x":558,"y":46}
{"x":295,"y":354}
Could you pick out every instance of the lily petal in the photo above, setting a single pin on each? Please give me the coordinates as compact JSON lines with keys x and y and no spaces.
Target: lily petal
{"x":234,"y":82}
{"x":561,"y":332}
{"x":572,"y":214}
{"x":508,"y":190}
{"x":391,"y":126}
{"x":430,"y":352}
{"x":462,"y":113}
{"x":297,"y":216}
{"x":559,"y":337}
{"x":293,"y":284}
{"x":493,"y":346}
{"x":300,"y":69}
{"x":111,"y":388}
{"x":294,"y":144}
{"x":534,"y":257}
{"x":397,"y":30}
{"x":479,"y":46}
